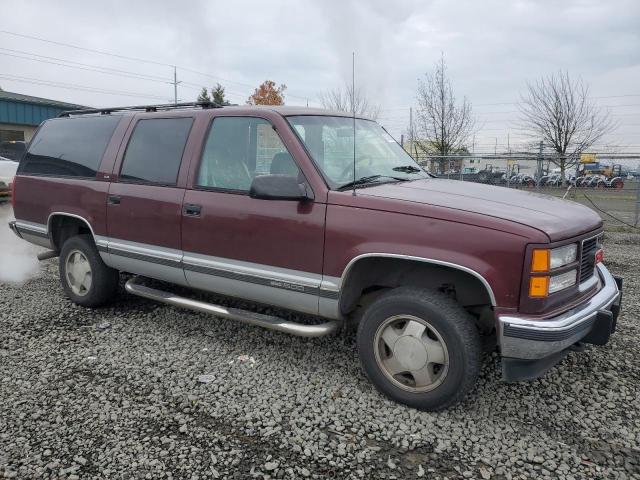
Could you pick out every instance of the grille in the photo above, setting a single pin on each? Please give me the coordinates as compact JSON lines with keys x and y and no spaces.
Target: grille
{"x":588,"y":258}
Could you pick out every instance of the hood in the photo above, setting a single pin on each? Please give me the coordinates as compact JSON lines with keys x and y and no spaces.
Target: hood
{"x":557,"y":218}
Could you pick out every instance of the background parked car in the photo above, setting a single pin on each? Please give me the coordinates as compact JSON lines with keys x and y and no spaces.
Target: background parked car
{"x":12,"y":150}
{"x":7,"y":172}
{"x":615,"y":182}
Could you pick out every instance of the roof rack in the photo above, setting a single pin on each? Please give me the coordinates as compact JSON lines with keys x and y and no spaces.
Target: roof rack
{"x":141,"y":108}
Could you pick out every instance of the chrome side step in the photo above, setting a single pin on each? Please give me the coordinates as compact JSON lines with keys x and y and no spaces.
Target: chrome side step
{"x":244,"y":316}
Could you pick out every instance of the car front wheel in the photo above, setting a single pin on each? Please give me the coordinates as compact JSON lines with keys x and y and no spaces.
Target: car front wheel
{"x":420,"y":348}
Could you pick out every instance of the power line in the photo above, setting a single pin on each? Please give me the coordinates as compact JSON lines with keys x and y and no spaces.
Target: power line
{"x":517,"y":103}
{"x":70,"y":86}
{"x":134,"y":59}
{"x":77,"y":47}
{"x":89,"y":68}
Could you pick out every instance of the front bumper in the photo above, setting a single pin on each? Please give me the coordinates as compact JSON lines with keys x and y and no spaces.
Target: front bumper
{"x":531,"y":346}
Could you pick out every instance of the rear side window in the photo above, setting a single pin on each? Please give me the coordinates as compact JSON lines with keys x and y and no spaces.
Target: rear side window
{"x":69,"y":147}
{"x":155,"y":151}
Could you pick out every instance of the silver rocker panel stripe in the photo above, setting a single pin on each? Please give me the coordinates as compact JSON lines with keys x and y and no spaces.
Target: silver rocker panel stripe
{"x":275,"y":277}
{"x":32,"y":228}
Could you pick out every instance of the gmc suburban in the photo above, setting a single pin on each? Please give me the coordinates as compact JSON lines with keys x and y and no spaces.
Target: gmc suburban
{"x":320,"y":213}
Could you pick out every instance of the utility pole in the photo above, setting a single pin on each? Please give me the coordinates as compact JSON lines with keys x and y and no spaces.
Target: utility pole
{"x":175,"y":86}
{"x":637,"y":204}
{"x":509,"y":161}
{"x":412,"y":137}
{"x":411,"y":145}
{"x":539,"y":165}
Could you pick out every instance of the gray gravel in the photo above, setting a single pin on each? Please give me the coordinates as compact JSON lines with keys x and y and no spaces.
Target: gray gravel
{"x":140,"y":390}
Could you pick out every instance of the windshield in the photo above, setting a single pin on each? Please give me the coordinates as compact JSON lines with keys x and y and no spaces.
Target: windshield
{"x":379,"y":158}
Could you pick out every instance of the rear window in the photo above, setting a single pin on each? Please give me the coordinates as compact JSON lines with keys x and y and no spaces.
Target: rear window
{"x":155,"y":151}
{"x":69,"y":147}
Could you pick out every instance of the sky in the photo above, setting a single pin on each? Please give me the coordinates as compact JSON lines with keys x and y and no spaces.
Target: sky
{"x":492,"y":49}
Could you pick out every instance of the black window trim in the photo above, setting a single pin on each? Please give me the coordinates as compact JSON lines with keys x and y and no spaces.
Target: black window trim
{"x":54,"y":175}
{"x":136,"y":121}
{"x":231,"y":191}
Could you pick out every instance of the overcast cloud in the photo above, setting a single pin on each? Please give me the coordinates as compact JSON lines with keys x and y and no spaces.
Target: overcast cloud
{"x":492,"y":49}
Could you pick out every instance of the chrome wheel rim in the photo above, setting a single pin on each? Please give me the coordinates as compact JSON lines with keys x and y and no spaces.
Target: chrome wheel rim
{"x":78,"y":272}
{"x":411,"y":353}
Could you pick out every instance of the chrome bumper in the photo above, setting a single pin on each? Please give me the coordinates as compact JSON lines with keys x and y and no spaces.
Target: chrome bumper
{"x":531,"y":339}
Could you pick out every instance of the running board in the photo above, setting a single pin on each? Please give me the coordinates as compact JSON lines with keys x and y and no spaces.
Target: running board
{"x":244,"y":316}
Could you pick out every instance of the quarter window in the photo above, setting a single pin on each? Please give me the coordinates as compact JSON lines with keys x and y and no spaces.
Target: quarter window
{"x":155,"y":150}
{"x":240,"y":148}
{"x":69,"y":147}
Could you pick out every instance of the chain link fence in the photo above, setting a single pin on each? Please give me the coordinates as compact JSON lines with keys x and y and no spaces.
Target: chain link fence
{"x":610,"y":186}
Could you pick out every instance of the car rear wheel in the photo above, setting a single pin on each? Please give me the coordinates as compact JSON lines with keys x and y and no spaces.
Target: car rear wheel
{"x":419,"y":348}
{"x":85,"y":278}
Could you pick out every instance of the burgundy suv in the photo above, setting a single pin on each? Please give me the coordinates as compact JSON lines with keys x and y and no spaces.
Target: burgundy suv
{"x":323,"y":214}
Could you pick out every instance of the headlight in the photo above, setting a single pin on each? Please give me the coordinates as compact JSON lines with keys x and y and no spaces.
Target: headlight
{"x":545,"y":259}
{"x":562,"y":281}
{"x":562,"y":256}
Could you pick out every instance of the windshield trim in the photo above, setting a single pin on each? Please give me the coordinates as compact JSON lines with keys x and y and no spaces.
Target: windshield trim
{"x":326,"y":180}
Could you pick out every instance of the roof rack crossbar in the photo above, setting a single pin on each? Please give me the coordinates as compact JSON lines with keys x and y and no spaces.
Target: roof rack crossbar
{"x":143,"y":108}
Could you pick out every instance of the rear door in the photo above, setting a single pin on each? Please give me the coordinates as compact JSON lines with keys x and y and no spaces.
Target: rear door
{"x":145,"y":198}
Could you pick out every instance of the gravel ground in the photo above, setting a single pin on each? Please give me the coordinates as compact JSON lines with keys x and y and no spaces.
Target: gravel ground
{"x":140,"y":390}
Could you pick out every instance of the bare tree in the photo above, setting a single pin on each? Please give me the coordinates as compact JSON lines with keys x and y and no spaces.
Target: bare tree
{"x":558,"y":111}
{"x":344,"y":99}
{"x":443,"y":124}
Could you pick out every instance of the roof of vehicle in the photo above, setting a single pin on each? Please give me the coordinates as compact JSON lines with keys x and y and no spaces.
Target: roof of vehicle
{"x":289,"y":111}
{"x":284,"y":110}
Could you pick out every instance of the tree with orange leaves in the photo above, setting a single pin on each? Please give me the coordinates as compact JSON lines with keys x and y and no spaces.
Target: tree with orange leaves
{"x":268,"y":94}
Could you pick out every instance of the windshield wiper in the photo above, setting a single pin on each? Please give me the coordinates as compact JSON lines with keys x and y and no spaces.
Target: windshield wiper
{"x":369,"y":179}
{"x":407,"y":169}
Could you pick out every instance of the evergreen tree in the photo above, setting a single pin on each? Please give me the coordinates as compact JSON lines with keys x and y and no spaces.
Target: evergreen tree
{"x":217,"y":95}
{"x":204,"y":96}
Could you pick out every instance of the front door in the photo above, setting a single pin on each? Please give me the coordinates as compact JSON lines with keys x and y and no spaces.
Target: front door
{"x":268,"y":251}
{"x":145,"y":199}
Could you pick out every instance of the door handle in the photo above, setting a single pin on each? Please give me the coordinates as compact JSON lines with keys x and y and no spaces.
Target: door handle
{"x":113,"y":200}
{"x":191,"y":210}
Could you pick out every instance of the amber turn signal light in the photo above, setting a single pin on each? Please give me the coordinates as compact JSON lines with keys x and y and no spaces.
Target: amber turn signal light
{"x":540,"y":260}
{"x":539,"y":287}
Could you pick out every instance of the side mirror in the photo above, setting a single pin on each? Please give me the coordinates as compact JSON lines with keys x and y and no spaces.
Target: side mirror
{"x":279,"y":187}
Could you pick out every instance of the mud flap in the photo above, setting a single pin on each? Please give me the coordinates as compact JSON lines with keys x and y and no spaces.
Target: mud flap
{"x":518,"y":370}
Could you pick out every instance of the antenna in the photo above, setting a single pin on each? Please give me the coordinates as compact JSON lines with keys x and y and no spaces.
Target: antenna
{"x":353,"y":113}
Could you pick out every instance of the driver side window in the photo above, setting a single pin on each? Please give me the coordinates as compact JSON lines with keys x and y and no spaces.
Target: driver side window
{"x":240,"y":148}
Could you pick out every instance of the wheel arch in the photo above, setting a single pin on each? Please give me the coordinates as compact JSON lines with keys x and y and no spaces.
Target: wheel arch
{"x":63,"y":225}
{"x":383,"y":270}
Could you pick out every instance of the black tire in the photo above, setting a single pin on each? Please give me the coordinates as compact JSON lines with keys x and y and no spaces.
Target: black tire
{"x":104,"y":280}
{"x":455,"y":328}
